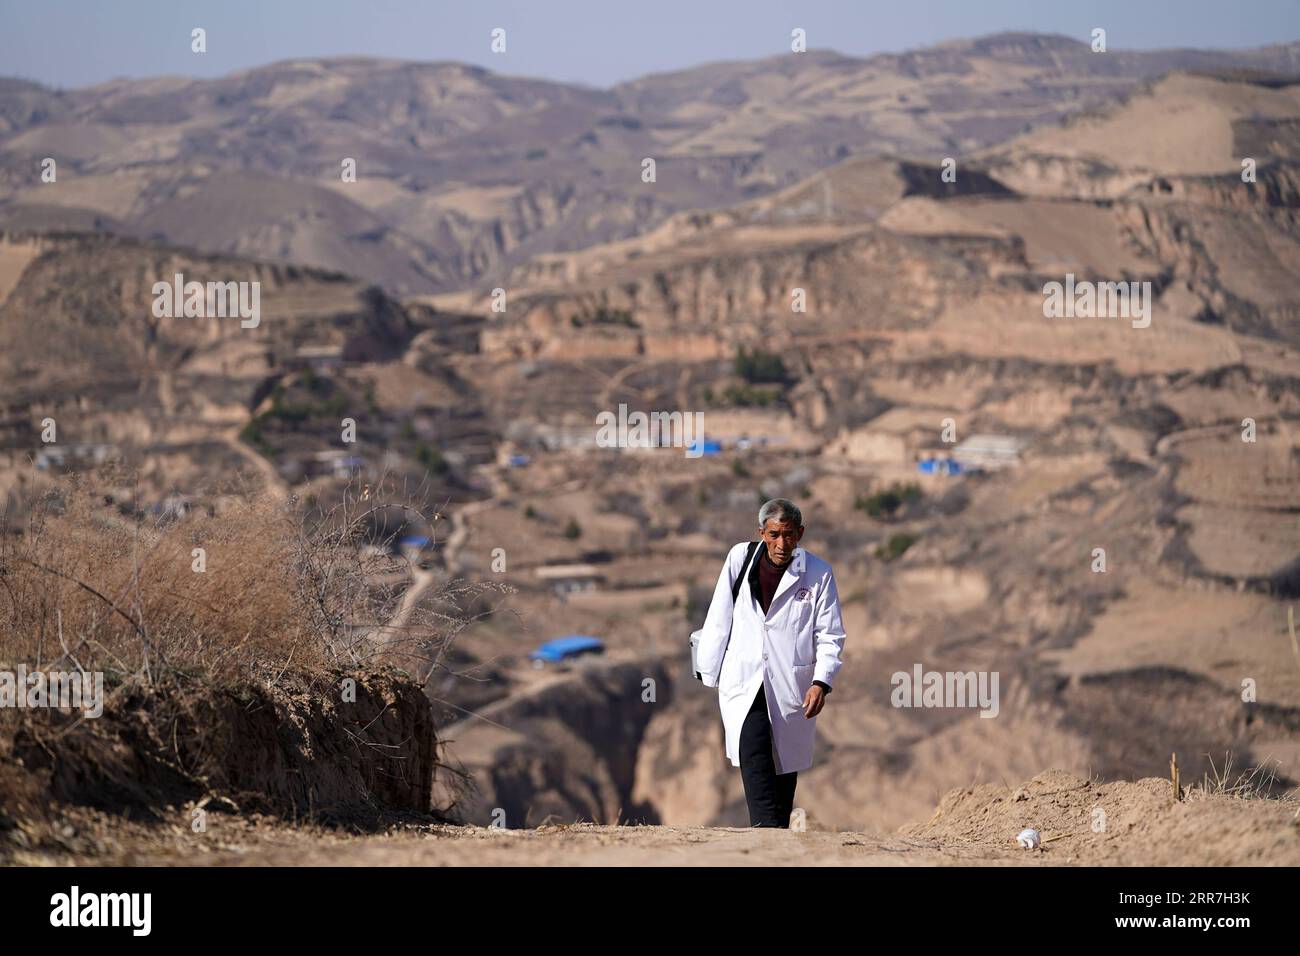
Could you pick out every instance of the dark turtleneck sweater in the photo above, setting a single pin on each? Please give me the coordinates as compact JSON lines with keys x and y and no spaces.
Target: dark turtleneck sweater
{"x":764,"y":579}
{"x":769,"y":579}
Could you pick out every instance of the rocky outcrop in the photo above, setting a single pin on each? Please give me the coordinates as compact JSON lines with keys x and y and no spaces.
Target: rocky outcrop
{"x":298,"y":749}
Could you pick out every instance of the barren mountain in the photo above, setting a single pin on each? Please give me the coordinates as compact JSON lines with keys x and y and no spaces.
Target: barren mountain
{"x":192,"y":401}
{"x":463,"y":173}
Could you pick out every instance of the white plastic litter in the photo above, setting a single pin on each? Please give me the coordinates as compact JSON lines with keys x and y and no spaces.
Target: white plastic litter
{"x":1029,"y":839}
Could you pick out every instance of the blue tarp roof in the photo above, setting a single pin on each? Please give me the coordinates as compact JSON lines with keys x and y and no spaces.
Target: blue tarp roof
{"x":562,"y":647}
{"x":940,"y":466}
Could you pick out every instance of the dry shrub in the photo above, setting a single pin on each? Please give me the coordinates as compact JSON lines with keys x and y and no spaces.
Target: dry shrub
{"x":92,"y":586}
{"x":205,"y":664}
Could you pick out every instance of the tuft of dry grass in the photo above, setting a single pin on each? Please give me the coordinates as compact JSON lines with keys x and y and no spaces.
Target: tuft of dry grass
{"x":1258,"y":783}
{"x":248,"y":589}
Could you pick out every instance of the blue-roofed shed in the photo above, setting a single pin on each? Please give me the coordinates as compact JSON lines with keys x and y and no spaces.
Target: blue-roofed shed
{"x":565,"y":648}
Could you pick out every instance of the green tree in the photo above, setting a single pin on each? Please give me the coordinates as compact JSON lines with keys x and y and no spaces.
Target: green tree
{"x":895,"y":546}
{"x":885,"y":503}
{"x":759,"y":367}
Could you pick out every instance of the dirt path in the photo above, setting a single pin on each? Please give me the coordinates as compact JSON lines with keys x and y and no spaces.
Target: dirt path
{"x":460,"y":528}
{"x":591,"y":845}
{"x":275,"y":484}
{"x":616,"y":380}
{"x":421,"y":580}
{"x":1140,"y":826}
{"x":237,"y":843}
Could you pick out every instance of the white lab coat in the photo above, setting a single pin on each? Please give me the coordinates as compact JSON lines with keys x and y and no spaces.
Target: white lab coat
{"x":798,"y":641}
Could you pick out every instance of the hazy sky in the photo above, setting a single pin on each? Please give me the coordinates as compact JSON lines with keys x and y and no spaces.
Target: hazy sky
{"x":599,"y":42}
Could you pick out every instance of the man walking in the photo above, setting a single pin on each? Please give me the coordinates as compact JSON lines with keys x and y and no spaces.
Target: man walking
{"x":773,"y":654}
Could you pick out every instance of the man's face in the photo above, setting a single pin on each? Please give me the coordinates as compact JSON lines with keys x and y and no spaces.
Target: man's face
{"x":781,"y":538}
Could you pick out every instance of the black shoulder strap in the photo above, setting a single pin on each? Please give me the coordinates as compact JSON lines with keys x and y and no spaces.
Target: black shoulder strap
{"x":735,"y":585}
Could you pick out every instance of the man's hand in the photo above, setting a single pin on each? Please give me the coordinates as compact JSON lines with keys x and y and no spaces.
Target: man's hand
{"x":813,"y":702}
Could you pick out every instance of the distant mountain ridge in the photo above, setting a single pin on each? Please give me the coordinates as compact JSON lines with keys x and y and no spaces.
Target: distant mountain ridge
{"x":464,"y":173}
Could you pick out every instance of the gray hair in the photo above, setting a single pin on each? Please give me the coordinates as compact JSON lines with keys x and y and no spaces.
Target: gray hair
{"x":782,"y":509}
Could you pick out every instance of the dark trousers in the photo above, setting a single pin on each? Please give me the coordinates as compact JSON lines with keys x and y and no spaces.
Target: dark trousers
{"x":770,"y":795}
